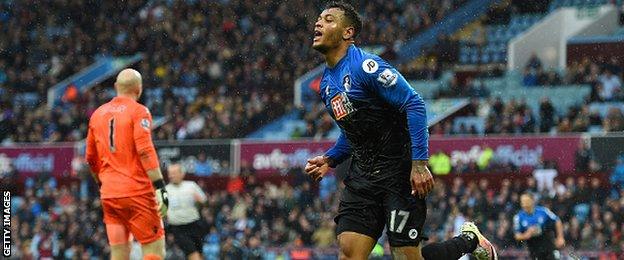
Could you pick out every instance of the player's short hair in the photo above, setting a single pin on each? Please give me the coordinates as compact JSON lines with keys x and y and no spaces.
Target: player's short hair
{"x":352,"y":18}
{"x":529,"y":194}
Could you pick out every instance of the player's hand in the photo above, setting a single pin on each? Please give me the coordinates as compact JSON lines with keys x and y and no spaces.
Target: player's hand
{"x":317,"y":167}
{"x":559,"y":242}
{"x":421,"y":179}
{"x":162,"y":198}
{"x":532,"y":231}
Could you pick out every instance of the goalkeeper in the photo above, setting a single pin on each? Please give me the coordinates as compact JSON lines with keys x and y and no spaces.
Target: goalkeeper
{"x":124,"y":163}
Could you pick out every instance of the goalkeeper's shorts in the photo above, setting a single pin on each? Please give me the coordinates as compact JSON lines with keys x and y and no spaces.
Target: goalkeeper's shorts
{"x":132,"y":216}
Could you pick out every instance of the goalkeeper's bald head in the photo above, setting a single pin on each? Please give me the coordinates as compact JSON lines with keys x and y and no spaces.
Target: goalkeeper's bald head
{"x":129,"y":83}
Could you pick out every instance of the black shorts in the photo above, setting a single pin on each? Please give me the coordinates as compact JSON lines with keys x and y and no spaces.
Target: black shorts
{"x":366,"y":207}
{"x":189,"y":237}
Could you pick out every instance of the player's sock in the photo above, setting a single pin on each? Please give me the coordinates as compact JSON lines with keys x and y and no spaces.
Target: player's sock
{"x":152,"y":257}
{"x":450,"y":249}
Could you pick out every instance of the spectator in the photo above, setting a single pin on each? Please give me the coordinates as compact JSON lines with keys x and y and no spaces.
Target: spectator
{"x":545,"y":175}
{"x":254,"y":249}
{"x":534,"y":62}
{"x":583,"y":157}
{"x":440,"y":163}
{"x":552,"y":79}
{"x":485,"y":159}
{"x":614,"y":120}
{"x":324,"y":237}
{"x":581,"y":120}
{"x":529,"y":78}
{"x":547,"y":115}
{"x":617,"y":177}
{"x":235,"y":184}
{"x":203,"y":167}
{"x":611,"y":86}
{"x":476,"y":88}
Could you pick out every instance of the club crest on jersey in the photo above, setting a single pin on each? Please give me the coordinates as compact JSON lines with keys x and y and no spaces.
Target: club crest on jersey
{"x":145,"y":123}
{"x":370,"y":66}
{"x":387,"y":78}
{"x":341,"y":106}
{"x":346,"y":82}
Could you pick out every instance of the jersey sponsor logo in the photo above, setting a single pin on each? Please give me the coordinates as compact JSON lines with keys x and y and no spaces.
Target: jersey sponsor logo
{"x":327,"y":90}
{"x":145,"y":123}
{"x":346,"y":82}
{"x":413,"y":233}
{"x":341,"y":106}
{"x":387,"y":78}
{"x":370,"y":66}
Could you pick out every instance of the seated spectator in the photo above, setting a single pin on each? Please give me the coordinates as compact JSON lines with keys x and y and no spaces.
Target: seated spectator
{"x":529,"y":78}
{"x":611,"y":86}
{"x":617,"y":177}
{"x":552,"y":79}
{"x":614,"y":121}
{"x":203,"y":167}
{"x":476,"y":88}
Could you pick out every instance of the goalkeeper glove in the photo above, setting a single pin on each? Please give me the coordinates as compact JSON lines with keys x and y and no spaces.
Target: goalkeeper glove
{"x":161,"y":197}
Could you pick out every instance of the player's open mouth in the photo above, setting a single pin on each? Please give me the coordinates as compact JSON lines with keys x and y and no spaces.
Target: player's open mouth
{"x":317,"y":34}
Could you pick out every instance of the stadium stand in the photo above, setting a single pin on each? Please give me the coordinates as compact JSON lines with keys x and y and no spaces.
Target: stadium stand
{"x":197,"y":59}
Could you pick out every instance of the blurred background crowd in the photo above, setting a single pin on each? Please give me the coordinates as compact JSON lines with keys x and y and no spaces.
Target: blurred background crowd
{"x":256,"y":219}
{"x":214,"y":69}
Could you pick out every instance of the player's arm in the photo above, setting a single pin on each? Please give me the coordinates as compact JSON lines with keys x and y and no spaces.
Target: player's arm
{"x":559,"y":238}
{"x":382,"y":79}
{"x":524,"y":235}
{"x":320,"y":165}
{"x":392,"y":87}
{"x":199,"y":196}
{"x":339,"y":152}
{"x":144,"y":146}
{"x":91,"y":156}
{"x":519,"y":234}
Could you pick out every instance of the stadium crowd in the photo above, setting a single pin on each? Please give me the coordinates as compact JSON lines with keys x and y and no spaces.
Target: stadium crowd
{"x":604,"y":77}
{"x":515,"y":117}
{"x":500,"y":117}
{"x":253,"y":219}
{"x":240,"y":57}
